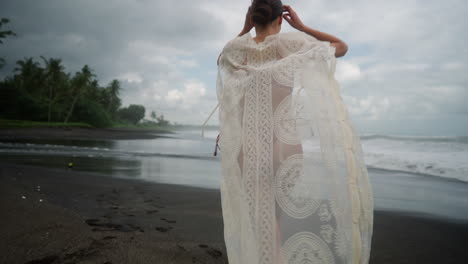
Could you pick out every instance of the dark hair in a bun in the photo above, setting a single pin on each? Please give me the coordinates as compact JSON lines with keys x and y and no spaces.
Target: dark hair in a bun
{"x":265,"y":11}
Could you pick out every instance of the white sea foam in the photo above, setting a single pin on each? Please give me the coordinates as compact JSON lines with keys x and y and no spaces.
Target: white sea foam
{"x":437,"y":156}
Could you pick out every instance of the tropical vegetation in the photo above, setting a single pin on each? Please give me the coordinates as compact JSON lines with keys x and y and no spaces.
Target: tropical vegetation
{"x":43,"y":91}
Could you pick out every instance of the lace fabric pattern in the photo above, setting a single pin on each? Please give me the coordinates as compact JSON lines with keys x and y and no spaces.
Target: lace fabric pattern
{"x":294,"y":185}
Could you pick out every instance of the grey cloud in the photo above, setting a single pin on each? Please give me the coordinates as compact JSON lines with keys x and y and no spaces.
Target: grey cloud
{"x":104,"y":30}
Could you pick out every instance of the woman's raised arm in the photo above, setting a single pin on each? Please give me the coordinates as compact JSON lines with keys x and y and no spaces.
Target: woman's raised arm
{"x":248,"y":24}
{"x":293,"y":19}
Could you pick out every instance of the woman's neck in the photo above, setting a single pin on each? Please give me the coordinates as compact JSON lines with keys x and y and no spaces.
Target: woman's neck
{"x":262,"y":33}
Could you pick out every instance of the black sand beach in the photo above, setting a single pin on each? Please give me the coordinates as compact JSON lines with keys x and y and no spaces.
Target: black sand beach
{"x":90,"y":218}
{"x":85,"y":218}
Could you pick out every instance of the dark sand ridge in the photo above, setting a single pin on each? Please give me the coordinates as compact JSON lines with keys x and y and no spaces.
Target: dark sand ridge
{"x":86,"y":218}
{"x":80,"y":133}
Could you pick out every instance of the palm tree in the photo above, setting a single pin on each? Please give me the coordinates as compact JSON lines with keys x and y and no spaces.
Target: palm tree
{"x":4,"y":34}
{"x":54,"y":77}
{"x":113,"y":91}
{"x":80,"y":82}
{"x":29,"y":76}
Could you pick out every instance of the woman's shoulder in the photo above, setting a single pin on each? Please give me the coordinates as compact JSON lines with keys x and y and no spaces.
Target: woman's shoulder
{"x":291,"y":42}
{"x":235,"y":49}
{"x":296,"y":36}
{"x":237,"y":41}
{"x":301,"y":43}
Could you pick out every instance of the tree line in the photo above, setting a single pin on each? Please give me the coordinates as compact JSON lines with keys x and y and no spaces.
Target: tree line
{"x":47,"y":93}
{"x":44,"y":91}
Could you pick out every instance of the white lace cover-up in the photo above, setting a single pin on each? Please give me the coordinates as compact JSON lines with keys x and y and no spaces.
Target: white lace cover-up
{"x":294,"y":185}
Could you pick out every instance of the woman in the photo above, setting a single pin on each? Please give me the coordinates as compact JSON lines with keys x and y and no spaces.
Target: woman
{"x":295,"y":187}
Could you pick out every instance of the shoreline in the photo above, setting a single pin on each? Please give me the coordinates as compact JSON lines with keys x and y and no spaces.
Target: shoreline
{"x":419,"y":174}
{"x":95,"y":218}
{"x":81,"y":133}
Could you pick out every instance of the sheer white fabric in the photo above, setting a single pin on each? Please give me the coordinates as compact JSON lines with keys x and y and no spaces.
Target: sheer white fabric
{"x":294,"y":184}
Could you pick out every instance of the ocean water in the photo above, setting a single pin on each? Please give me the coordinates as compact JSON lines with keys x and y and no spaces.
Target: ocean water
{"x":445,"y":157}
{"x":415,"y":174}
{"x":186,"y":152}
{"x":180,"y":158}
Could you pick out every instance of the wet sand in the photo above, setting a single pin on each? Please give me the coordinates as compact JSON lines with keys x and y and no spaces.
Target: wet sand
{"x":63,"y":216}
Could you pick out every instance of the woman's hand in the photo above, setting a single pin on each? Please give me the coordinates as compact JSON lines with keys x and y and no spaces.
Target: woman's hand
{"x":248,"y":24}
{"x":292,"y":18}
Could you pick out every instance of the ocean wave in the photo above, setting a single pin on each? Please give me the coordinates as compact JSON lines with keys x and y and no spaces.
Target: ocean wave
{"x":449,"y":139}
{"x":430,"y":168}
{"x":441,"y":156}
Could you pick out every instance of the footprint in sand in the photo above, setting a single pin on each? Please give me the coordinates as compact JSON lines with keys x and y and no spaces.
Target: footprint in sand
{"x":211,"y":251}
{"x":163,"y":229}
{"x":108,"y":215}
{"x":44,"y":260}
{"x":214,"y":253}
{"x":109,"y":237}
{"x":135,"y":227}
{"x":181,"y":248}
{"x":98,"y":225}
{"x":168,"y":221}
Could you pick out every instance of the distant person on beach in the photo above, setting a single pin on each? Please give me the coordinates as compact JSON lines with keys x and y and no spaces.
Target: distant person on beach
{"x":294,"y":184}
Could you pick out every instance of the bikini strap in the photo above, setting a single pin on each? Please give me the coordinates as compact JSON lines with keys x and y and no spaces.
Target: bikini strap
{"x":204,"y":124}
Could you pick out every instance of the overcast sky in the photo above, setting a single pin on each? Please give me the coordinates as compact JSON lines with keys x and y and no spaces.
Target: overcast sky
{"x":405,"y":71}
